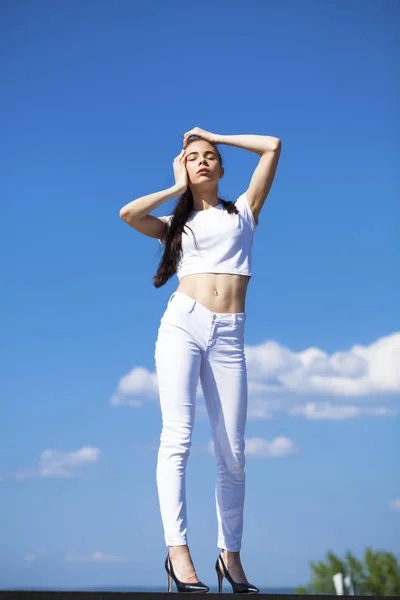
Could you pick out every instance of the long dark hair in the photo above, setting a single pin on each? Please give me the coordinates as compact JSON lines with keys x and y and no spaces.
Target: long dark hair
{"x":173,"y":245}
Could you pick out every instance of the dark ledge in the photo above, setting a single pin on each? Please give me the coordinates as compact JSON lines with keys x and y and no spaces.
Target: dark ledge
{"x":82,"y":595}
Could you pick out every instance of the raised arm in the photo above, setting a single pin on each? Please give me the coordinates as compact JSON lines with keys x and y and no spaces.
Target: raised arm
{"x":136,"y":213}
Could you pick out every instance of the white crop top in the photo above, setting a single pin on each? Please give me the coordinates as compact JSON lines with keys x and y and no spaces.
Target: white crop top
{"x":224,"y":241}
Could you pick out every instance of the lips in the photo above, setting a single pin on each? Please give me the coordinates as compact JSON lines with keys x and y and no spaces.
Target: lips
{"x":202,"y":171}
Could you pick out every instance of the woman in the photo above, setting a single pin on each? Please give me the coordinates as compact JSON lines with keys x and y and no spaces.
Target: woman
{"x":208,"y":243}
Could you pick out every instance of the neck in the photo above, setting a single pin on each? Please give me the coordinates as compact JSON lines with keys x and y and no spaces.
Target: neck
{"x":204,"y":198}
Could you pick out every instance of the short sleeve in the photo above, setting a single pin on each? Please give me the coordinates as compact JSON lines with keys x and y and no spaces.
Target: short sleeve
{"x":243,"y":206}
{"x":168,"y":220}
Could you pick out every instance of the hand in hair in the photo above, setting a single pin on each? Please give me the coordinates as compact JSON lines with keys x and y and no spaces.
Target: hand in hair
{"x":180,"y":172}
{"x":205,"y":135}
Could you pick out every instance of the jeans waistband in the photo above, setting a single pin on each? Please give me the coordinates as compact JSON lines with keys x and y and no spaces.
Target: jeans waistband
{"x":191,"y":303}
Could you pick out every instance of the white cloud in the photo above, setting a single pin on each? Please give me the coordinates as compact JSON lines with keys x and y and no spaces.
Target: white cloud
{"x":117,"y":400}
{"x":97,"y":557}
{"x":259,"y":409}
{"x":138,"y":381}
{"x":395,"y":504}
{"x":54,"y":463}
{"x":277,"y":377}
{"x":280,"y":446}
{"x":328,"y":410}
{"x":258,"y":446}
{"x":34,"y":555}
{"x":359,"y":371}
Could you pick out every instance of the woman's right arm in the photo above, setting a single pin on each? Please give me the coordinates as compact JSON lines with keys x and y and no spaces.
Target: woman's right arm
{"x":136,"y":213}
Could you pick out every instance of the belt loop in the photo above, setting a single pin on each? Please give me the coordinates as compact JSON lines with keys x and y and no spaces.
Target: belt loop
{"x":233,"y":321}
{"x":171,"y":298}
{"x":191,"y":306}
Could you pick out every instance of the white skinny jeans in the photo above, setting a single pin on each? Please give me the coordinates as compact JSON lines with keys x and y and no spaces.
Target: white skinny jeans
{"x":194,"y":342}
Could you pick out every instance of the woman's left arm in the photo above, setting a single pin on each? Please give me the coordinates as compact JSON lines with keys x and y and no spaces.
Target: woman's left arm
{"x":269,"y":149}
{"x":254,"y":143}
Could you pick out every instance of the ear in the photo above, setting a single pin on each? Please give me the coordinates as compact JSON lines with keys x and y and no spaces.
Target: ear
{"x":222,"y":172}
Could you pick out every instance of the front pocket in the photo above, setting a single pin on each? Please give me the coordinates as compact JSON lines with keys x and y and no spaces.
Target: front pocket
{"x":174,"y":312}
{"x":178,"y":307}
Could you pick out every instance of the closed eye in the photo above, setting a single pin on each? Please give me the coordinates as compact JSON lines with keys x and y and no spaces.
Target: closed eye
{"x":208,"y":157}
{"x":210,"y":153}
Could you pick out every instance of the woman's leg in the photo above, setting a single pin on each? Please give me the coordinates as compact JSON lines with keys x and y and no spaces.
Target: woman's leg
{"x":178,"y":366}
{"x":224,"y":382}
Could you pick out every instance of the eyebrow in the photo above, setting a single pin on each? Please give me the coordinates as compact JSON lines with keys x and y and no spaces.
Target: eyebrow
{"x":206,"y":152}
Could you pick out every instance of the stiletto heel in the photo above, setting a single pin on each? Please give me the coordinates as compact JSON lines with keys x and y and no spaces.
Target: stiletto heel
{"x":238,"y":588}
{"x":220,"y":578}
{"x":195,"y":588}
{"x":169,"y":583}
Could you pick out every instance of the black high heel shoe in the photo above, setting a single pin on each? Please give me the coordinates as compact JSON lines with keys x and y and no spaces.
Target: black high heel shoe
{"x":237,"y":588}
{"x":196,"y":588}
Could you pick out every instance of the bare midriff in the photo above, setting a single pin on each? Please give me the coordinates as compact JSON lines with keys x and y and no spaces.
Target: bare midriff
{"x":219,"y":292}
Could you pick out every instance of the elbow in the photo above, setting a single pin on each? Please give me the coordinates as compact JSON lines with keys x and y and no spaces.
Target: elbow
{"x":125,"y":214}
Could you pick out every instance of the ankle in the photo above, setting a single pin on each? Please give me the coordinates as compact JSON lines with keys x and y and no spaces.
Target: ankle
{"x":178,"y":550}
{"x":230,"y":557}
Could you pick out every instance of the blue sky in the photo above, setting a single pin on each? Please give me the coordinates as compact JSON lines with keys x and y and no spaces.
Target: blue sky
{"x":96,"y":98}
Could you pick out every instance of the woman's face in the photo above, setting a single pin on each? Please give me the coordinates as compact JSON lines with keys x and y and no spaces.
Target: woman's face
{"x":200,"y":154}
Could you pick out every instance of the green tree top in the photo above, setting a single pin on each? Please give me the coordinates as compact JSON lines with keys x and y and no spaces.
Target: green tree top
{"x":378,"y":575}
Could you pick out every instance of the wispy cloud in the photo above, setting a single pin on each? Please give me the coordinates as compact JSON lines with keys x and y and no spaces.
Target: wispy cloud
{"x":35,"y":555}
{"x":260,"y":447}
{"x":98,"y":557}
{"x":395,"y":504}
{"x":55,"y":463}
{"x":277,"y":448}
{"x":329,"y":410}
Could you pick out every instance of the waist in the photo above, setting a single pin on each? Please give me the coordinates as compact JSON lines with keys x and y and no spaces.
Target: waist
{"x":192,"y":305}
{"x":219,"y":292}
